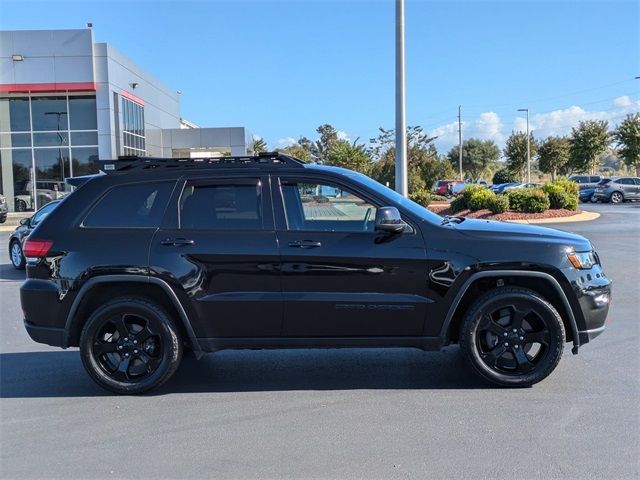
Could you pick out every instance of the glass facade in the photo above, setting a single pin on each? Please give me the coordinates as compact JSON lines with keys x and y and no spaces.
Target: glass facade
{"x":43,"y":140}
{"x":133,"y":128}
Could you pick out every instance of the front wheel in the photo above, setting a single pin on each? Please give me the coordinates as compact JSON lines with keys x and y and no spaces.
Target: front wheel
{"x":17,"y":257}
{"x":512,"y":337}
{"x":130,"y":346}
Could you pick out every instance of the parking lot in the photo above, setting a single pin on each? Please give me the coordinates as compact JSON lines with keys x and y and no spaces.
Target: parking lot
{"x":349,"y":413}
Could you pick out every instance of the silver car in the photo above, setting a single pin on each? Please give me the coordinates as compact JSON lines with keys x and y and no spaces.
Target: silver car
{"x":618,"y":189}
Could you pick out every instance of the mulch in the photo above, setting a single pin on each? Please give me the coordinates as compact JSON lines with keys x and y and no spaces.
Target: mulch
{"x":509,"y":215}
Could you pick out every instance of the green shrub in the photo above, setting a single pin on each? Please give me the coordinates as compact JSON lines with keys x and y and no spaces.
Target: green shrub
{"x":528,"y":200}
{"x":458,"y":204}
{"x":536,"y":201}
{"x":480,"y":199}
{"x":516,"y":198}
{"x":438,"y":198}
{"x":562,"y":194}
{"x":421,"y":196}
{"x":498,"y":204}
{"x":321,"y":199}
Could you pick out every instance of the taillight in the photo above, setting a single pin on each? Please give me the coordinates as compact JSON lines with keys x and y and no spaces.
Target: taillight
{"x":36,"y":248}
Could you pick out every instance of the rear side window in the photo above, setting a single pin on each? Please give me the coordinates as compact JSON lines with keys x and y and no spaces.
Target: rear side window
{"x":221,"y":206}
{"x":138,"y":205}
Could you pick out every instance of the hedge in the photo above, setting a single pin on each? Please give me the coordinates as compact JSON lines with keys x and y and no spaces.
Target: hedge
{"x":498,"y":204}
{"x":421,"y":196}
{"x":562,"y":194}
{"x":480,"y":199}
{"x":528,"y":200}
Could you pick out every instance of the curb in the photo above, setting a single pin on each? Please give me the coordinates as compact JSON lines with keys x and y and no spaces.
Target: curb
{"x":7,"y":228}
{"x":580,"y":217}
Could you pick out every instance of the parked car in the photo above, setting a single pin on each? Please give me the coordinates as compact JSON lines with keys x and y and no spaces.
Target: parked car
{"x":618,"y":189}
{"x":445,"y":187}
{"x":503,"y":186}
{"x":585,"y":181}
{"x":18,"y":237}
{"x":4,"y":209}
{"x":587,"y":195}
{"x":521,"y":185}
{"x":161,"y":255}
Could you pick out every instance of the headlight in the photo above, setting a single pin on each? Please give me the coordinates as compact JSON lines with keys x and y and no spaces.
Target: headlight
{"x":582,"y":260}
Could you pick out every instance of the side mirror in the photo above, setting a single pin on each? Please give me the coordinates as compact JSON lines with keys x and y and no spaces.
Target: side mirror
{"x":25,"y":221}
{"x":388,"y":220}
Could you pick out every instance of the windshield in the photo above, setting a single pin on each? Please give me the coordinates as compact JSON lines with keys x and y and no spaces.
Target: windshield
{"x":394,"y":196}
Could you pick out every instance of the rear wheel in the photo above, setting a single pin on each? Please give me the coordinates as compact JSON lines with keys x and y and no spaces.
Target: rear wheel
{"x":616,"y":197}
{"x":512,"y":337}
{"x":130,"y":345}
{"x":20,"y":205}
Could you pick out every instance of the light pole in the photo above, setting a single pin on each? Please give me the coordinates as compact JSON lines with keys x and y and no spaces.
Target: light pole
{"x":401,"y":122}
{"x":528,"y":145}
{"x":460,"y":140}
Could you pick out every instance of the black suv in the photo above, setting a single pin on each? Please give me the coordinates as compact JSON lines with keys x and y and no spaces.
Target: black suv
{"x":159,"y":256}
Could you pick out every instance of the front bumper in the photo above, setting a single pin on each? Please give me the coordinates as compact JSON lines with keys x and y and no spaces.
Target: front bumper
{"x":592,"y":290}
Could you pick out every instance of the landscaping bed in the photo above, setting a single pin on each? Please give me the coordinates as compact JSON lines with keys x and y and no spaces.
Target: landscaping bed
{"x":444,"y":209}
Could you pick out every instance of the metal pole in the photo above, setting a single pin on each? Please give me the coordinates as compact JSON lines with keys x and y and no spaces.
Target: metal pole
{"x":401,"y":123}
{"x":528,"y":150}
{"x":460,"y":140}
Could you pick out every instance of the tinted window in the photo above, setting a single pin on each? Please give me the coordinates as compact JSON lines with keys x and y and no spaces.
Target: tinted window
{"x":625,"y":181}
{"x":595,"y":179}
{"x":325,"y":207}
{"x":131,"y":206}
{"x":221,"y":207}
{"x":42,"y":213}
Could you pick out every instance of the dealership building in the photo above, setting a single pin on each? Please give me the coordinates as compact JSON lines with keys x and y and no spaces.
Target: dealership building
{"x":67,"y":101}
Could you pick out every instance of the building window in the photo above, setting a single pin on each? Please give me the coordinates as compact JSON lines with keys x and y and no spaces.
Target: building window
{"x":45,"y":139}
{"x":133,"y":128}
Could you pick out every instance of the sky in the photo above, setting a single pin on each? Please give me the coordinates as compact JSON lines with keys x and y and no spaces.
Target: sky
{"x":281,"y":68}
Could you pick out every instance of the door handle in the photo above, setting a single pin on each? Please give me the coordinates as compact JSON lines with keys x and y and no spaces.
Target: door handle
{"x":305,"y":244}
{"x":177,"y":242}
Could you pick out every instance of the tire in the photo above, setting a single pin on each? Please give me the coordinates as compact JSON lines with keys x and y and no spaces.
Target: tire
{"x":20,"y":206}
{"x":616,"y":197}
{"x":17,"y":257}
{"x":115,"y":359}
{"x":510,"y":360}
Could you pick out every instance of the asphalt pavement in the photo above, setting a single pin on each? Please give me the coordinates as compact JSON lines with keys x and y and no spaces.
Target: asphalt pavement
{"x":350,"y":413}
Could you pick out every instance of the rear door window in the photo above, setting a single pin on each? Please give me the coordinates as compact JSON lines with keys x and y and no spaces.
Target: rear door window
{"x":139,"y":205}
{"x":224,"y":205}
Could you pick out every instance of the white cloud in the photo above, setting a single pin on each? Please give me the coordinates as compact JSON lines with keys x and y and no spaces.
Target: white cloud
{"x":285,"y":142}
{"x":489,"y":126}
{"x":255,"y":137}
{"x":342,"y":135}
{"x":623,"y":101}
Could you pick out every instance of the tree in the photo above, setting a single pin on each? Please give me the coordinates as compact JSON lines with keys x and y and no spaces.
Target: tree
{"x":328,"y":137}
{"x":627,"y":137}
{"x":349,"y":155}
{"x":477,"y":156}
{"x":424,"y":164}
{"x":553,"y":155}
{"x":588,"y":141}
{"x":503,"y":175}
{"x":515,"y":152}
{"x":300,"y":150}
{"x":258,"y":145}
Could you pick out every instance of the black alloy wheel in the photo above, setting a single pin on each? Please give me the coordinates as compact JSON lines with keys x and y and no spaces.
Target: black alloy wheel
{"x":130,"y":345}
{"x":513,"y":337}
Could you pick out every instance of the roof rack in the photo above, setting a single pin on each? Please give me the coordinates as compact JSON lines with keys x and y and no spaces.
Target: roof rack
{"x":135,"y":163}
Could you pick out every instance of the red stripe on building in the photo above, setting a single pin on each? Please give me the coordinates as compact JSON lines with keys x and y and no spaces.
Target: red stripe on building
{"x":132,"y":97}
{"x":48,"y":87}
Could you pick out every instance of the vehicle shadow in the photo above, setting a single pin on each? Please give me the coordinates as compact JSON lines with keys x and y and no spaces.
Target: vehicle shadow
{"x":60,"y":373}
{"x":10,"y":274}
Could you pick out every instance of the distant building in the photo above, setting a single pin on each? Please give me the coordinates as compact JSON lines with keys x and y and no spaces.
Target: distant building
{"x":66,"y":101}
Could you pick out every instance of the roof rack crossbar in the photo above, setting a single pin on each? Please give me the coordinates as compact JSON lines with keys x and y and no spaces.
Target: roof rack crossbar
{"x":131,"y":163}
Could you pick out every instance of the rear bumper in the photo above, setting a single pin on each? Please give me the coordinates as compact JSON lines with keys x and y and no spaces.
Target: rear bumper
{"x":48,"y":335}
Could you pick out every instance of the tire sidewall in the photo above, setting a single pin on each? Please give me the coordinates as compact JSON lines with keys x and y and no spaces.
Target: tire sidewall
{"x":551,"y":319}
{"x":22,"y":259}
{"x":615,"y":195}
{"x":171,"y":345}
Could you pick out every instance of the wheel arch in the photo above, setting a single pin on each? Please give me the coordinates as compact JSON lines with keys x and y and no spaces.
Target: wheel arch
{"x":97,"y":290}
{"x":480,"y":282}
